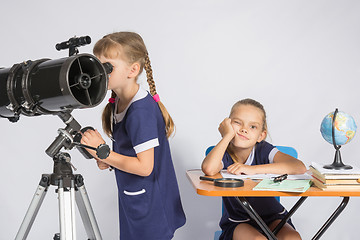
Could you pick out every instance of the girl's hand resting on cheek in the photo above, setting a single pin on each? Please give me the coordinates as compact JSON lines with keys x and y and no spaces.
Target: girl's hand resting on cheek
{"x":226,"y":129}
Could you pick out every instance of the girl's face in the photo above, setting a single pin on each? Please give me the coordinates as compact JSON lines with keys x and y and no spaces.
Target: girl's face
{"x":247,"y":122}
{"x":120,"y":74}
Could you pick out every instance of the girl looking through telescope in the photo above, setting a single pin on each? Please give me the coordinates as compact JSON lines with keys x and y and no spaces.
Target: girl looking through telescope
{"x":139,"y":124}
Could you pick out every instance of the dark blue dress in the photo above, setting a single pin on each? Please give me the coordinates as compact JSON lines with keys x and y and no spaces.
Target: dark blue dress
{"x":149,"y":207}
{"x":269,"y":208}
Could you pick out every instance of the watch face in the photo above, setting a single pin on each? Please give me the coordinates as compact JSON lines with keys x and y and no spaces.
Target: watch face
{"x":103,"y":151}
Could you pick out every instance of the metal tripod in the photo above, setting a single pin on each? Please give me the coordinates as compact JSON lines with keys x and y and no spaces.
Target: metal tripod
{"x":70,"y":187}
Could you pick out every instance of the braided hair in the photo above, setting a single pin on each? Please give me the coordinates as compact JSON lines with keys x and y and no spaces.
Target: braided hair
{"x":133,"y":47}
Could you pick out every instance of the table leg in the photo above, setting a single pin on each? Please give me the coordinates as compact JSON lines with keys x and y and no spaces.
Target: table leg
{"x":247,"y":207}
{"x":332,"y":218}
{"x":289,"y":214}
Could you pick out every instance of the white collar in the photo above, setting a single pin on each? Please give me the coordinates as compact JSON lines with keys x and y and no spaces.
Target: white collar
{"x":140,"y":94}
{"x":251,"y":157}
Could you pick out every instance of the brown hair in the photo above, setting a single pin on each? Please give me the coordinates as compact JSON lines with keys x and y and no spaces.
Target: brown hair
{"x":134,"y":49}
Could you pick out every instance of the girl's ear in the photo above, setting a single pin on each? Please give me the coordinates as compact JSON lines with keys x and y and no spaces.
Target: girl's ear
{"x":262,"y":136}
{"x":134,"y":70}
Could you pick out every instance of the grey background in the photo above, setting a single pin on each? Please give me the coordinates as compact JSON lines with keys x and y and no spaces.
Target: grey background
{"x":299,"y":58}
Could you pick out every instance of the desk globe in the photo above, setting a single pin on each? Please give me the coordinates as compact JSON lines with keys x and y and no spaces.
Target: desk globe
{"x":338,"y":128}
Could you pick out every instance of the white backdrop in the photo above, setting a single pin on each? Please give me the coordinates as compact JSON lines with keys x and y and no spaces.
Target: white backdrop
{"x":299,"y":58}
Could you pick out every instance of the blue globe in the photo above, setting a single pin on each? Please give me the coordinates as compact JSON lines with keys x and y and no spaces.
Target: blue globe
{"x":344,"y":128}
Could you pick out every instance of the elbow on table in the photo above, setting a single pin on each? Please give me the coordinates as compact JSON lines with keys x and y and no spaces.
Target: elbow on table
{"x":209,"y":171}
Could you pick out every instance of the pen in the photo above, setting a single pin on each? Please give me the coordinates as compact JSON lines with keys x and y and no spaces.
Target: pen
{"x":280,"y":178}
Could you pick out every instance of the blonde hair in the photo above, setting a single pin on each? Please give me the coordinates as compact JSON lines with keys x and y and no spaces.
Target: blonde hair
{"x":134,"y":51}
{"x":254,"y":103}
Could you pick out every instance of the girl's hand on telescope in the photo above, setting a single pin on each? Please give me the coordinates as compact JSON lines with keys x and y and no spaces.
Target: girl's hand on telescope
{"x":92,"y":138}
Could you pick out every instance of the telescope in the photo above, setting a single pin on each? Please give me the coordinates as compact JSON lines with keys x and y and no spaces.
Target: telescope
{"x":56,"y":87}
{"x":46,"y":86}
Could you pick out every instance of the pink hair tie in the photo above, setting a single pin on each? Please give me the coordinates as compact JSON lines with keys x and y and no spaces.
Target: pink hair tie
{"x":156,"y":97}
{"x":112,"y":100}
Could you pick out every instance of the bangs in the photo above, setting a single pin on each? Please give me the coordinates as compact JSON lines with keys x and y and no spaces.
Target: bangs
{"x":107,"y":48}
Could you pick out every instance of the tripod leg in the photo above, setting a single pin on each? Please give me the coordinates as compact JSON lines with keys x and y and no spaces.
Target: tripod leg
{"x":67,"y":210}
{"x":86,"y":211}
{"x":33,"y":208}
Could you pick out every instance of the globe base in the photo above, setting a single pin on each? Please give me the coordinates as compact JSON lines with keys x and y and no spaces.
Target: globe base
{"x":338,"y":167}
{"x":338,"y":164}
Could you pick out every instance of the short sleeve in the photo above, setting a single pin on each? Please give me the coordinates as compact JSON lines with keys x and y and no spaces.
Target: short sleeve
{"x":264,"y":153}
{"x":141,"y":126}
{"x":272,"y":154}
{"x":227,"y":160}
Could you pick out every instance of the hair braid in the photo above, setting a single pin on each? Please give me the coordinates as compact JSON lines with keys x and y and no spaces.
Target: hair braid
{"x":107,"y":116}
{"x":149,"y":75}
{"x":169,"y":123}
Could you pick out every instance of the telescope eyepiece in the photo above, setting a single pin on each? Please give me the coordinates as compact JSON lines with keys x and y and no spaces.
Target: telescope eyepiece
{"x":108,"y":67}
{"x":82,"y":40}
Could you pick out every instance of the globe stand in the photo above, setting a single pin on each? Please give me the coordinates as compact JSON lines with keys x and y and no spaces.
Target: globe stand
{"x":337,"y":164}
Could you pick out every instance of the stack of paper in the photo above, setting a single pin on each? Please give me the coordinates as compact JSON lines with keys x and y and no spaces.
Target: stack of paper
{"x":225,"y":174}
